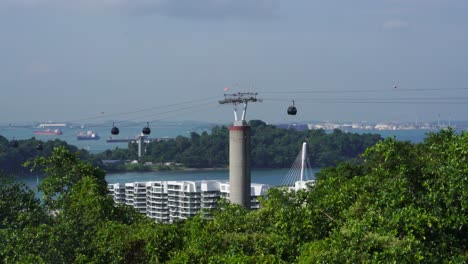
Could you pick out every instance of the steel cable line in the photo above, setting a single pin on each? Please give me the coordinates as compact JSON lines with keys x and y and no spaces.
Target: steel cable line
{"x":382,"y":102}
{"x":286,"y":92}
{"x":188,"y":110}
{"x":142,"y":110}
{"x":192,"y":111}
{"x":395,"y":102}
{"x":363,"y":91}
{"x":369,"y":99}
{"x":170,"y":111}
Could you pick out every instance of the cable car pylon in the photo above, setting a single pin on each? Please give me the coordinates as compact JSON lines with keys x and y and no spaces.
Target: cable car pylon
{"x":239,"y":149}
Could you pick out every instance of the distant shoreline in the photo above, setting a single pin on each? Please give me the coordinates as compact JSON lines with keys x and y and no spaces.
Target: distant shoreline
{"x":172,"y":170}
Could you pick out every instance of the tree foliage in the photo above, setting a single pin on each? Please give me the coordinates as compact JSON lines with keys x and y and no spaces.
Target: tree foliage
{"x":63,"y":169}
{"x":405,"y":203}
{"x":272,"y":147}
{"x":12,"y":158}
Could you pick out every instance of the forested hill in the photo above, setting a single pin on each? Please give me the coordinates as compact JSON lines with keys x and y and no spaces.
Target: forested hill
{"x":272,"y":147}
{"x":12,"y":157}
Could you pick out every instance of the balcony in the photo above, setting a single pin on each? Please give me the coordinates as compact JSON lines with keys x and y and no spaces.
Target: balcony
{"x":190,"y":195}
{"x":174,"y":188}
{"x":209,"y":200}
{"x":189,"y":213}
{"x":206,"y":206}
{"x":159,"y":211}
{"x":189,"y":206}
{"x":210,"y":195}
{"x":175,"y":194}
{"x":173,"y":210}
{"x":152,"y":194}
{"x":160,"y":217}
{"x":157,"y":207}
{"x":189,"y":200}
{"x":156,"y":201}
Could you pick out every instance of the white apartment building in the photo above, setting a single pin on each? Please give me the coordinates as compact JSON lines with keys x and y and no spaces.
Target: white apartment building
{"x":169,"y":201}
{"x":118,"y":191}
{"x":135,"y":195}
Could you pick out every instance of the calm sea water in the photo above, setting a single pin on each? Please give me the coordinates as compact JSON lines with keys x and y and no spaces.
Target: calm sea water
{"x":96,"y":146}
{"x":272,"y":177}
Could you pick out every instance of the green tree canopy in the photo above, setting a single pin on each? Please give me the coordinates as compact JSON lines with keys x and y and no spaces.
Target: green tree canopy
{"x":405,"y":203}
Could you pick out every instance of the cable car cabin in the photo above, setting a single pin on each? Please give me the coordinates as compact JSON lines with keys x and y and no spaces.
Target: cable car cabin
{"x":115,"y":130}
{"x":292,"y":110}
{"x":146,"y":130}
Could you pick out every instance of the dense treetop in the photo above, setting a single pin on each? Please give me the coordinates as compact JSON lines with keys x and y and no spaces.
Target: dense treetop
{"x":405,"y":203}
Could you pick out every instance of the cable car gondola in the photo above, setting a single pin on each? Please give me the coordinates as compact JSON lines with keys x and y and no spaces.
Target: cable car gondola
{"x":292,"y":110}
{"x":114,"y":130}
{"x":146,"y":130}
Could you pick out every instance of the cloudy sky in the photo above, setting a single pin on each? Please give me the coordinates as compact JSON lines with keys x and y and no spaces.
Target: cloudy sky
{"x":385,"y":60}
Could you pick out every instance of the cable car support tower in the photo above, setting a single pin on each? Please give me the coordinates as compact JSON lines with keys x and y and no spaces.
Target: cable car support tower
{"x":239,"y":149}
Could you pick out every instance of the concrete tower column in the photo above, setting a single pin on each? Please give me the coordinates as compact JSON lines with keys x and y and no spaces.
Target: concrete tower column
{"x":141,"y":146}
{"x":239,"y":163}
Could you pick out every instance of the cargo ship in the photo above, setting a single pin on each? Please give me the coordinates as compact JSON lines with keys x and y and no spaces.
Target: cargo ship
{"x":48,"y":132}
{"x":51,"y":125}
{"x":90,"y":135}
{"x":118,"y":140}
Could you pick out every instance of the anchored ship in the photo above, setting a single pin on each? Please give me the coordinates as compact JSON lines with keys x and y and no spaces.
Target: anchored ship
{"x":48,"y":132}
{"x":90,"y":135}
{"x":118,"y":140}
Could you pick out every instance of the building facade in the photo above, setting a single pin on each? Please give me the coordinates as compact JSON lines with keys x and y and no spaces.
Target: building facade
{"x":169,"y":201}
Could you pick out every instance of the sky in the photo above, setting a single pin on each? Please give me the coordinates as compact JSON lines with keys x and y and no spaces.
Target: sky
{"x":153,"y":60}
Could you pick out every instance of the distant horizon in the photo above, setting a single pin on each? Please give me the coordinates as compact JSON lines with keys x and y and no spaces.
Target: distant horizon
{"x":107,"y":122}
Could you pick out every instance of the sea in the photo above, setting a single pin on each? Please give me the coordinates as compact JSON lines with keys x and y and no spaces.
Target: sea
{"x":96,"y":146}
{"x":272,"y":177}
{"x":160,"y":131}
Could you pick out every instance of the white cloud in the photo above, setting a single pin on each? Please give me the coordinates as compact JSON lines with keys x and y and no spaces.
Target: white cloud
{"x":179,"y":8}
{"x":395,"y":24}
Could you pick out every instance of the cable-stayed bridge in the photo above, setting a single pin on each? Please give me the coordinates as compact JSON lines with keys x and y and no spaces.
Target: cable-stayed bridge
{"x":300,"y":174}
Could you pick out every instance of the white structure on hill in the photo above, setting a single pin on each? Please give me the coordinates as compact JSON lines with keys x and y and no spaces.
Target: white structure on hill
{"x":168,"y":201}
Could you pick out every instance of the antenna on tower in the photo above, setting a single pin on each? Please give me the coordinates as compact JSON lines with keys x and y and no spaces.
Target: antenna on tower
{"x":240,"y":98}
